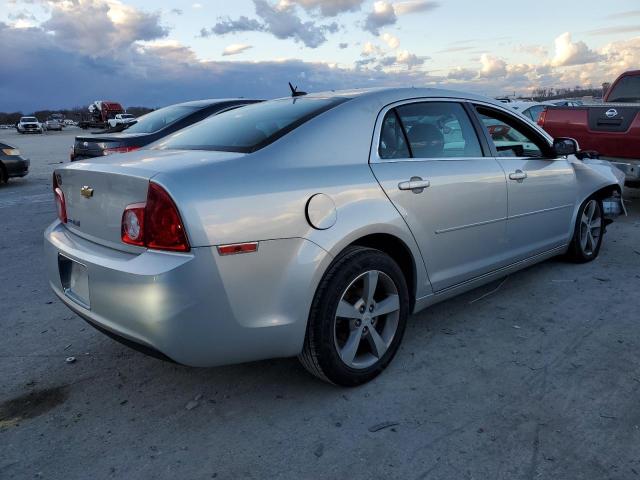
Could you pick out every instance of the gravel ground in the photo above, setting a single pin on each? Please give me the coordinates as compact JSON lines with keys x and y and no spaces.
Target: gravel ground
{"x":540,"y":379}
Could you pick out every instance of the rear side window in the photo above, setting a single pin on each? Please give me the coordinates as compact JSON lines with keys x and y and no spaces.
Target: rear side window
{"x":432,"y":130}
{"x":393,"y":142}
{"x":534,"y":112}
{"x":627,"y":89}
{"x":251,"y":127}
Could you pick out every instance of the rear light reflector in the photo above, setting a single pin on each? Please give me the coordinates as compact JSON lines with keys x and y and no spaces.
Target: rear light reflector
{"x":61,"y":205}
{"x":542,"y":117}
{"x":237,"y":248}
{"x":154,"y":224}
{"x":109,"y":151}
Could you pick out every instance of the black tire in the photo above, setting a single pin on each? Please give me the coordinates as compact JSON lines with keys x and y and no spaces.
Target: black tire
{"x":320,"y":354}
{"x":578,"y":252}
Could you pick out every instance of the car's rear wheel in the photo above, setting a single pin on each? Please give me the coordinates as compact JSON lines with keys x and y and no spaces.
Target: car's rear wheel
{"x":357,"y":318}
{"x":589,"y":232}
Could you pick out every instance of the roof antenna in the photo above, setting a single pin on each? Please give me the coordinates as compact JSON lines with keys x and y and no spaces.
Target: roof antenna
{"x":295,"y":92}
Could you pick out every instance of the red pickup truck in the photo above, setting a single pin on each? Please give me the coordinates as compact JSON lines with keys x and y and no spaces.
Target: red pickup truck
{"x":612,"y":128}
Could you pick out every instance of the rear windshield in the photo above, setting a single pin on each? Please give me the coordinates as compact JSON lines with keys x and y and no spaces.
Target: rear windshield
{"x":157,"y":120}
{"x":249,"y":128}
{"x":626,"y":90}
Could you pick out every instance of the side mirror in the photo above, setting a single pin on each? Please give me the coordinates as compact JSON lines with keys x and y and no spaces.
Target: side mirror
{"x":565,"y":146}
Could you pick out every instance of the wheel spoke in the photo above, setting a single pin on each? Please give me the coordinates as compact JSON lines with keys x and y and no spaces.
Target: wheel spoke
{"x":585,"y":218}
{"x":592,"y":209}
{"x":346,"y":310}
{"x":597,"y":223}
{"x":592,"y":243}
{"x":377,"y":344}
{"x":584,"y":237}
{"x":370,"y":284}
{"x":388,"y":305}
{"x":348,"y":352}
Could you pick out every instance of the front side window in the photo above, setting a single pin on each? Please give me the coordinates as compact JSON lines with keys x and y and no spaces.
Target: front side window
{"x":433,"y":130}
{"x":251,"y":127}
{"x":510,"y":137}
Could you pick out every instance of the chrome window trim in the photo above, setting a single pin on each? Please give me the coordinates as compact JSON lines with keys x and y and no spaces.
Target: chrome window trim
{"x":374,"y":156}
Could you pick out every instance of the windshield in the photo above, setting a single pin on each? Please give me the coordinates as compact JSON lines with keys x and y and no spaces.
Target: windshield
{"x":627,"y":89}
{"x":157,"y":120}
{"x":251,"y":127}
{"x":126,"y":115}
{"x":28,"y":119}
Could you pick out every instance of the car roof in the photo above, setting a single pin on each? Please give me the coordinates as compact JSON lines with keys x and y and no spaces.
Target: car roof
{"x":387,"y":95}
{"x":211,"y":101}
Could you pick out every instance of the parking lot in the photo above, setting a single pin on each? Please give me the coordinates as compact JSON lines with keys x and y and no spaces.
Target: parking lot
{"x":537,"y":376}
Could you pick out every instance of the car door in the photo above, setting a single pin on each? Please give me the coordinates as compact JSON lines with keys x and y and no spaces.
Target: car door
{"x":541,"y":186}
{"x":438,"y":171}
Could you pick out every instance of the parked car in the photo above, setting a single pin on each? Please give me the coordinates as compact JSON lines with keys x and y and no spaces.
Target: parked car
{"x":612,"y":128}
{"x":54,"y":123}
{"x":122,"y":119}
{"x":151,"y":127}
{"x":531,"y":110}
{"x":29,"y":125}
{"x":12,"y":165}
{"x":314,"y":226}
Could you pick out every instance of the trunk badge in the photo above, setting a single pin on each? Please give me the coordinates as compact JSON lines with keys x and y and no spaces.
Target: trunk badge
{"x":86,"y":191}
{"x":612,"y":112}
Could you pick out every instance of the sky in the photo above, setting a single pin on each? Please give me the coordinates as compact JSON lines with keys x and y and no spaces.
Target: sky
{"x":65,"y":53}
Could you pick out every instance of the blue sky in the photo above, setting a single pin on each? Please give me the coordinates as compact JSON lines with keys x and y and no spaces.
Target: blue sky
{"x":153,"y":53}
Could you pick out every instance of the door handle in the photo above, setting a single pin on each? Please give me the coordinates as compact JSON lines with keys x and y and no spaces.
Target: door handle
{"x":416,"y":185}
{"x":518,"y":175}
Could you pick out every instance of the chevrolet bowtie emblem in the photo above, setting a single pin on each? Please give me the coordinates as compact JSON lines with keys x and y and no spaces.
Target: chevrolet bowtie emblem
{"x":86,"y":191}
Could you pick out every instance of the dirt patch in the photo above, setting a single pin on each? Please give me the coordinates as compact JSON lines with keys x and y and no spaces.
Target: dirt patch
{"x":31,"y":405}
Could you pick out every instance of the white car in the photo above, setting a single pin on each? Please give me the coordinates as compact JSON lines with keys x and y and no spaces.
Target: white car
{"x":29,"y":125}
{"x":122,"y":119}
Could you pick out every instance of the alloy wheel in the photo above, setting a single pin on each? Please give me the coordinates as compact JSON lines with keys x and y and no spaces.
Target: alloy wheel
{"x":366,"y":319}
{"x":590,"y":227}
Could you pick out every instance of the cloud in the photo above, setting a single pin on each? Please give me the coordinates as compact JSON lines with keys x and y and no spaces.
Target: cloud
{"x":615,"y":30}
{"x":159,"y":73}
{"x":572,"y":53}
{"x":235,"y":48}
{"x":414,"y":6}
{"x":382,"y":15}
{"x":343,"y":45}
{"x":327,"y":8}
{"x":371,"y":50}
{"x":391,"y":40}
{"x":623,"y":15}
{"x":280,"y":20}
{"x":492,"y":66}
{"x":227,"y":25}
{"x":176,"y":11}
{"x":460,"y":73}
{"x":97,"y":27}
{"x":535,"y":50}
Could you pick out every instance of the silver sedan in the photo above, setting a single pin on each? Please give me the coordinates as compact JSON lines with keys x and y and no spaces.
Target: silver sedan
{"x":314,"y":226}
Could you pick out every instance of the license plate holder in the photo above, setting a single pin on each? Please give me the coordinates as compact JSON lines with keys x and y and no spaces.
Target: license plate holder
{"x":75,"y":280}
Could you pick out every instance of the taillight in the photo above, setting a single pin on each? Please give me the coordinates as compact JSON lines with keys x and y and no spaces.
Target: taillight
{"x":109,"y":151}
{"x":542,"y":117}
{"x":155,"y":224}
{"x":61,"y":205}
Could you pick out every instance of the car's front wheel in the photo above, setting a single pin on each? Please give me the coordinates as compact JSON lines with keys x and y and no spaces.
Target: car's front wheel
{"x":588,"y":233}
{"x":357,"y":318}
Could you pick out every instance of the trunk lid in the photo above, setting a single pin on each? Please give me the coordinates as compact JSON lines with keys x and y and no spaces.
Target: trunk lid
{"x":97,"y":191}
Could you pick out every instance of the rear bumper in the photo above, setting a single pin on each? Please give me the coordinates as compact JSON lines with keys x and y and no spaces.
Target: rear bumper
{"x":197,"y":308}
{"x":16,"y":166}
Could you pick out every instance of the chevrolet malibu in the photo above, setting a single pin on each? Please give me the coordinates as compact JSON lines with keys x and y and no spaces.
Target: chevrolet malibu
{"x":314,"y":226}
